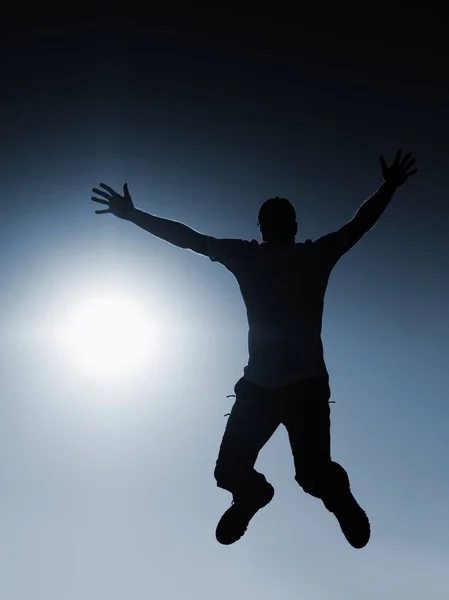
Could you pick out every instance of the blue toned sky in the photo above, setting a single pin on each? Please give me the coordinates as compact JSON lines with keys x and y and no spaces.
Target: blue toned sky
{"x":119,"y":350}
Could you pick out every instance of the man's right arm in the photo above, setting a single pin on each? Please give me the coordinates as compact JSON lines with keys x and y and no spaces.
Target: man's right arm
{"x":225,"y":251}
{"x":171,"y":231}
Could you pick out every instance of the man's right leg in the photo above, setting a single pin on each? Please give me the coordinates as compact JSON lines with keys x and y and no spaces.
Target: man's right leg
{"x":254,"y":418}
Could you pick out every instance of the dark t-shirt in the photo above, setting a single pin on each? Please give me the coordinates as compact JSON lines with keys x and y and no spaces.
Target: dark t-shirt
{"x":283,"y":290}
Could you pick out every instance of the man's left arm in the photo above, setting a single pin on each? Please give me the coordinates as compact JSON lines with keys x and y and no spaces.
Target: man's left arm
{"x":370,"y":211}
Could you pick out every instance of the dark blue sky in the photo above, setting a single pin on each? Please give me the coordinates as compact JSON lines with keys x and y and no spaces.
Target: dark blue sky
{"x":205,"y":119}
{"x":222,"y":116}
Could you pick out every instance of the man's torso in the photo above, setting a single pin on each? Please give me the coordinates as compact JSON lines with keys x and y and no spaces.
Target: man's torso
{"x":283,"y":290}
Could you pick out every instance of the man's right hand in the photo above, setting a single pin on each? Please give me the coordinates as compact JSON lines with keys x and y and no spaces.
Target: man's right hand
{"x":120,"y":206}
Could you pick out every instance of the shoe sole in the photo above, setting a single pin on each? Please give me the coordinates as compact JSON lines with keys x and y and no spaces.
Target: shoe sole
{"x":238,"y":516}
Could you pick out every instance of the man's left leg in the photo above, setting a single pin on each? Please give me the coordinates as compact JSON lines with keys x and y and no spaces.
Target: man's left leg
{"x":306,"y":416}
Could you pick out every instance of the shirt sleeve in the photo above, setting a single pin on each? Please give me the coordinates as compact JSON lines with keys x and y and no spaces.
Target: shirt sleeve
{"x":228,"y":252}
{"x":331,"y":247}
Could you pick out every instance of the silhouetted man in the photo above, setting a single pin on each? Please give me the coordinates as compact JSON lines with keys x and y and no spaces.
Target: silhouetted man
{"x":283,"y":284}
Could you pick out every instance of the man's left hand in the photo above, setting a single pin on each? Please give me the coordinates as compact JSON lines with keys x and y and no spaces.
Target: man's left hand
{"x":399,"y":171}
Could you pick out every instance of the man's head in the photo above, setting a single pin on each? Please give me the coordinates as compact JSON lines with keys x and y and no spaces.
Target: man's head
{"x":277,"y":221}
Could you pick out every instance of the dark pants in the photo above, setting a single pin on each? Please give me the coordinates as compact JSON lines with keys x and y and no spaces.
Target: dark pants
{"x":257,"y":412}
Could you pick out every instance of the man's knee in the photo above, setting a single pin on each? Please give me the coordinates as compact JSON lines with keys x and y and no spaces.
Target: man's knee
{"x":311,"y":483}
{"x":237,"y":478}
{"x":228,"y":474}
{"x":221,"y":474}
{"x":323,"y":480}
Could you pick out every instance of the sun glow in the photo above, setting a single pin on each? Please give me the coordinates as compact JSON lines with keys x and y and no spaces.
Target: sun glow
{"x":110,"y":333}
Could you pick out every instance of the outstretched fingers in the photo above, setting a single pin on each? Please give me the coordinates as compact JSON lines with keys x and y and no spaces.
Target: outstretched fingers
{"x":406,"y":158}
{"x":409,"y":164}
{"x":101,"y":193}
{"x":108,"y":188}
{"x":99,"y":200}
{"x":383,"y":162}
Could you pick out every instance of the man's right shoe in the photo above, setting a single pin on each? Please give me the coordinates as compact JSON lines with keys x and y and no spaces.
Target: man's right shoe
{"x":235,"y":520}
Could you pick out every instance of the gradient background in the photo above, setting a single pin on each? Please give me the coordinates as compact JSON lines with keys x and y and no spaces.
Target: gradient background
{"x":107,"y":491}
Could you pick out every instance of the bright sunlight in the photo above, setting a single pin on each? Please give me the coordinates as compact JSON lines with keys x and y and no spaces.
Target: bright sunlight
{"x":110,"y":334}
{"x":107,"y":330}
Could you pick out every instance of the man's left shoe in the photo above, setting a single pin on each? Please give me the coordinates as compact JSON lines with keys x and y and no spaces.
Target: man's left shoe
{"x":353,"y":520}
